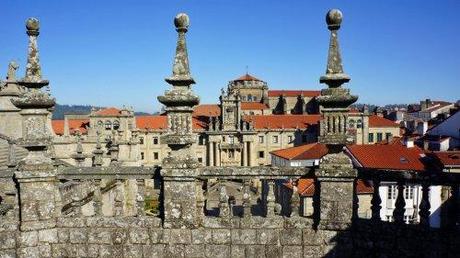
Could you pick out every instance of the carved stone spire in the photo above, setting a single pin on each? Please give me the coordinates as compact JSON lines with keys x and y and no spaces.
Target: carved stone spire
{"x":78,"y":155}
{"x":179,"y":102}
{"x":334,"y":100}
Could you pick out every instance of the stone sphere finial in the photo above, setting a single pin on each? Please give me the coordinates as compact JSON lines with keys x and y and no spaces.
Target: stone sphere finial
{"x":334,"y":19}
{"x":182,"y":21}
{"x":32,"y":24}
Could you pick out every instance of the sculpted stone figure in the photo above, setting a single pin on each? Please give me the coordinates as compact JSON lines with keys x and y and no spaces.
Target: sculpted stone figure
{"x":12,"y":67}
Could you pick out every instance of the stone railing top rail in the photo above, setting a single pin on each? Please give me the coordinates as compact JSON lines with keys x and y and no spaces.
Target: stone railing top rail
{"x":253,"y":172}
{"x":433,"y":177}
{"x":116,"y":172}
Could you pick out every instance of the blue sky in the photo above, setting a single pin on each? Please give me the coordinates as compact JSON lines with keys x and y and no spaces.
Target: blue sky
{"x":114,"y":53}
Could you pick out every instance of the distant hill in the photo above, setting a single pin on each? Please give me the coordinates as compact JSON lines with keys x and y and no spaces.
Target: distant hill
{"x":60,"y":110}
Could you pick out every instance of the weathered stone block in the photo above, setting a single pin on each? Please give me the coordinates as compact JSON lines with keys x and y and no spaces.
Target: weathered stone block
{"x":255,"y":251}
{"x":93,"y":250}
{"x":77,"y":250}
{"x":312,"y":237}
{"x":291,"y":237}
{"x":78,"y":236}
{"x":273,"y":251}
{"x":221,"y":236}
{"x":292,"y":251}
{"x":216,"y":251}
{"x":154,"y":250}
{"x":201,"y":236}
{"x":119,"y":236}
{"x":138,"y":236}
{"x":48,"y":236}
{"x":45,"y":250}
{"x":268,"y":236}
{"x":237,"y":251}
{"x":244,"y":236}
{"x":132,"y":251}
{"x":28,"y":238}
{"x":72,"y":222}
{"x":312,"y":251}
{"x":10,"y":253}
{"x":99,"y":236}
{"x":174,"y":251}
{"x":63,"y":235}
{"x":110,"y":251}
{"x":59,"y":250}
{"x":29,"y":252}
{"x":180,"y":236}
{"x":7,"y":240}
{"x":194,"y":251}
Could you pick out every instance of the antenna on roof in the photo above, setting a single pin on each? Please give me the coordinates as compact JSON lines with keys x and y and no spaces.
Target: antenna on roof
{"x":247,"y":70}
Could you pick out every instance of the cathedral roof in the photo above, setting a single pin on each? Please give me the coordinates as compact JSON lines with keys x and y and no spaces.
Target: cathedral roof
{"x":247,"y":77}
{"x":282,"y":121}
{"x":303,"y":152}
{"x":294,"y":93}
{"x":253,"y":106}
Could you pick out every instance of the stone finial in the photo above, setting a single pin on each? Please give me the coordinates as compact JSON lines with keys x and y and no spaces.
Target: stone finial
{"x":181,"y":71}
{"x":33,"y":69}
{"x":12,"y":68}
{"x":98,"y":152}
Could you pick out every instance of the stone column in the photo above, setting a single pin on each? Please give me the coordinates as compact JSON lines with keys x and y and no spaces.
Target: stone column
{"x":179,"y":169}
{"x":244,"y":155}
{"x":218,"y":155}
{"x":35,"y":173}
{"x":211,"y":153}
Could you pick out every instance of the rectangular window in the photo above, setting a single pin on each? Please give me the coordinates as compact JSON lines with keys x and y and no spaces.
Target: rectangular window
{"x":141,"y":140}
{"x":155,"y":156}
{"x":388,"y":136}
{"x":200,"y":160}
{"x":379,"y":137}
{"x":231,"y":139}
{"x":261,"y":154}
{"x":391,"y":192}
{"x":289,"y":138}
{"x":155,"y":140}
{"x":142,"y":156}
{"x":275,"y":138}
{"x":409,"y":192}
{"x":261,"y":139}
{"x":371,"y":137}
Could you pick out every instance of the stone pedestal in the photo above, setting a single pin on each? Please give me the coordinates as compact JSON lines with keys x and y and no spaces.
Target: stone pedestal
{"x":336,"y":188}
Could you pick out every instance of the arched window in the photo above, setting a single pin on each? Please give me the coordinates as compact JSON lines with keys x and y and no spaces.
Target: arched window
{"x":359,"y":123}
{"x":100,"y":124}
{"x":108,"y":125}
{"x":249,"y":97}
{"x":351,"y":123}
{"x":116,"y":125}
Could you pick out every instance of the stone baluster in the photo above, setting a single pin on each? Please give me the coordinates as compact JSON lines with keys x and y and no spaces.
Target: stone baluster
{"x":97,"y":199}
{"x":200,"y":203}
{"x":271,"y":204}
{"x":119,"y":198}
{"x":400,"y":205}
{"x":295,"y":201}
{"x":376,"y":201}
{"x":425,"y":206}
{"x":247,"y":198}
{"x":224,"y":207}
{"x":140,"y":197}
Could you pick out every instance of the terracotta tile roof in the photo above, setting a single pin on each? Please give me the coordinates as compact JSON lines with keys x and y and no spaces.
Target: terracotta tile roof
{"x":282,"y":121}
{"x":448,"y":158}
{"x":253,"y":106}
{"x":74,"y":124}
{"x":109,"y":112}
{"x":247,"y":77}
{"x":294,"y":93}
{"x":306,"y":187}
{"x":437,"y":105}
{"x":302,"y":152}
{"x":160,"y":122}
{"x":206,"y":110}
{"x":377,"y":121}
{"x":393,"y":156}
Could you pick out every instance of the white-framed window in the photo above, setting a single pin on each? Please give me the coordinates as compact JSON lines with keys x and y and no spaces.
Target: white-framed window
{"x":275,"y":139}
{"x":108,"y":125}
{"x":261,"y":139}
{"x":409,"y":192}
{"x":391,"y":192}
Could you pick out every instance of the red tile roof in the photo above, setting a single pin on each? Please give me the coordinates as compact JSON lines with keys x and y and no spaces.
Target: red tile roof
{"x":393,"y":156}
{"x":253,"y":106}
{"x":302,"y":152}
{"x":448,"y":158}
{"x":109,"y":112}
{"x":306,"y":187}
{"x":377,"y":121}
{"x":247,"y":77}
{"x":206,"y":110}
{"x":74,"y":124}
{"x":294,"y":93}
{"x":160,"y":122}
{"x":282,"y":121}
